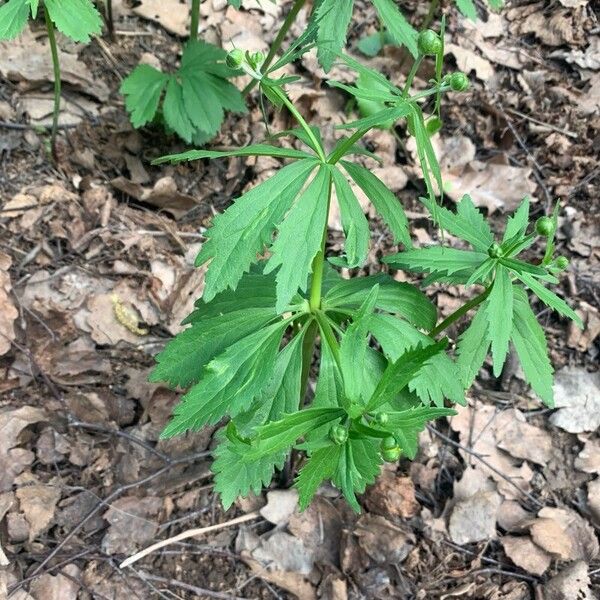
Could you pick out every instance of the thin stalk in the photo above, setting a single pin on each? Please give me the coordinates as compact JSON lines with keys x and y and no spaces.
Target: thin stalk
{"x":329,"y":336}
{"x":341,"y":150}
{"x":309,"y":132}
{"x":110,"y":23}
{"x":308,"y":346}
{"x":56,"y":69}
{"x":195,"y":20}
{"x":276,"y":45}
{"x":457,"y":314}
{"x":411,"y":76}
{"x":442,"y":88}
{"x":433,"y":6}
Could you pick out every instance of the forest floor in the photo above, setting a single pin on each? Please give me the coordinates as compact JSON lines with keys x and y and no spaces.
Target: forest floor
{"x":501,"y":503}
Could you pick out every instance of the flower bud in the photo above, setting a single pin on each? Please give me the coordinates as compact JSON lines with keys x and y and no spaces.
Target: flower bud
{"x":381,"y":418}
{"x":235,"y":58}
{"x":458,"y":81}
{"x":544,"y":226}
{"x":429,"y":42}
{"x":338,"y":434}
{"x":561,"y":262}
{"x":495,"y":251}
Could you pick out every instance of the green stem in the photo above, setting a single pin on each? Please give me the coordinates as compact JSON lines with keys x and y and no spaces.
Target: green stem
{"x":308,"y":346}
{"x":433,"y":6}
{"x":309,"y":132}
{"x":195,"y":20}
{"x":56,"y":68}
{"x":341,"y":150}
{"x":442,"y":88}
{"x":411,"y":76}
{"x":463,"y":310}
{"x":327,"y":333}
{"x":276,"y":45}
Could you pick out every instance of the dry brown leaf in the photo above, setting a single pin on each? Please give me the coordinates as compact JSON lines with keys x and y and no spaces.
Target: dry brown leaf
{"x":8,"y":310}
{"x":586,"y":59}
{"x":384,"y":542}
{"x":473,"y":519}
{"x":170,"y":14}
{"x":522,"y":440}
{"x":132,"y":523}
{"x":13,"y":460}
{"x":564,"y":533}
{"x":582,"y":339}
{"x":588,"y":460}
{"x":593,"y":499}
{"x":57,"y":587}
{"x":525,"y":554}
{"x":468,"y":60}
{"x":38,"y":504}
{"x":512,"y":517}
{"x":554,"y":30}
{"x":280,"y":506}
{"x":393,"y":496}
{"x":577,"y":397}
{"x":572,"y":583}
{"x":27,"y":59}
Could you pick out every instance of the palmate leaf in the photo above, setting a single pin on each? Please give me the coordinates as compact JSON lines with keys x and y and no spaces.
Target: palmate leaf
{"x":242,"y":232}
{"x":332,"y":18}
{"x":299,"y":238}
{"x":499,"y":311}
{"x":396,"y":24}
{"x":354,"y":222}
{"x":437,"y":378}
{"x":530,"y":343}
{"x":13,"y":18}
{"x":252,"y":150}
{"x":182,"y":361}
{"x":441,"y":260}
{"x":320,"y":466}
{"x":230,"y":382}
{"x":384,"y":201}
{"x":176,"y":113}
{"x":467,"y":223}
{"x":393,"y":296}
{"x":77,"y":19}
{"x":472,"y":347}
{"x":142,"y":90}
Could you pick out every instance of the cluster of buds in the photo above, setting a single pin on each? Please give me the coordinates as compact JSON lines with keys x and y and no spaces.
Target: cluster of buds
{"x":249,"y":62}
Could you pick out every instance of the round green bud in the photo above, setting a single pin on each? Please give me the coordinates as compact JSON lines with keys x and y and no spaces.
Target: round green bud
{"x":338,"y":434}
{"x":388,"y":442}
{"x":235,"y":58}
{"x":561,"y":262}
{"x":257,"y":58}
{"x":391,"y":454}
{"x":544,"y":226}
{"x":495,"y":251}
{"x":429,"y":42}
{"x":458,"y":81}
{"x":381,"y":418}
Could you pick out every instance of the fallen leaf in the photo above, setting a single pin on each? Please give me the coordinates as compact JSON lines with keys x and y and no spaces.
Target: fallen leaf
{"x":525,"y":554}
{"x":38,"y":504}
{"x":565,"y":534}
{"x":12,"y":459}
{"x":8,"y":311}
{"x":170,"y":14}
{"x":522,"y":440}
{"x":583,"y":339}
{"x":586,"y":59}
{"x":554,"y":30}
{"x":393,"y":496}
{"x":384,"y":542}
{"x":468,"y":60}
{"x":577,"y":397}
{"x":132,"y":524}
{"x":474,"y":519}
{"x":588,"y":460}
{"x":57,"y":587}
{"x":593,"y":499}
{"x":280,"y":506}
{"x":572,"y":583}
{"x":512,"y":517}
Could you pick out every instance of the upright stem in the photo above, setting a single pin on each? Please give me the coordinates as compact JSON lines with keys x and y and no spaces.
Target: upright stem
{"x":56,"y":68}
{"x":309,"y":132}
{"x":411,"y":76}
{"x":463,"y":310}
{"x":308,"y":346}
{"x":276,"y":45}
{"x":340,"y":152}
{"x":195,"y":20}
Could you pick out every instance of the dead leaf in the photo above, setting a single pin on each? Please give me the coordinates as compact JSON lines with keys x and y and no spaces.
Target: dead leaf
{"x":280,"y":506}
{"x":163,"y":195}
{"x":525,"y":554}
{"x":384,"y":542}
{"x":393,"y":496}
{"x":522,"y":440}
{"x":565,"y":534}
{"x":474,"y":519}
{"x":57,"y":587}
{"x":173,"y":15}
{"x":27,"y":59}
{"x":586,"y":59}
{"x":38,"y":504}
{"x":554,"y":30}
{"x":588,"y":460}
{"x":512,"y":517}
{"x":582,"y":339}
{"x":13,"y":460}
{"x":8,"y":311}
{"x":577,"y":397}
{"x":468,"y":60}
{"x":132,"y":523}
{"x":572,"y":583}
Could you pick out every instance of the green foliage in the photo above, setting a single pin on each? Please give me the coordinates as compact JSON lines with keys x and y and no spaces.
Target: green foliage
{"x":77,"y":19}
{"x":196,"y":95}
{"x":272,"y":303}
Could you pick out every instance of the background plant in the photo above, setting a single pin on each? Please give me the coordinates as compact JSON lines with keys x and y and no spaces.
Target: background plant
{"x":383,"y":370}
{"x":77,"y":19}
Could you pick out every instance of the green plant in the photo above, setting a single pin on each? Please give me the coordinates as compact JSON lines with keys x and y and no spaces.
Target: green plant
{"x":197,"y":94}
{"x":77,"y":19}
{"x":384,"y":371}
